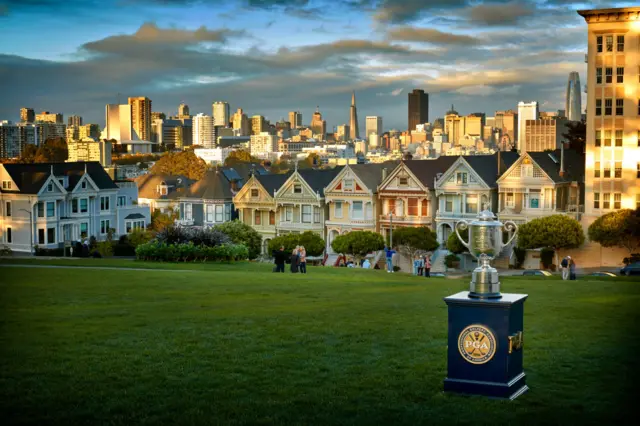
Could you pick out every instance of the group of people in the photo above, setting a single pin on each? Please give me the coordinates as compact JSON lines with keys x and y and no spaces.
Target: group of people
{"x":422,"y":265}
{"x":298,"y":260}
{"x":568,"y":266}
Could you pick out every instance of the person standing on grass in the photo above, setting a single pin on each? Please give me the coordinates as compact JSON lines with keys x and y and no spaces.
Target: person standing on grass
{"x":294,"y":260}
{"x":572,"y":269}
{"x":302,"y":254}
{"x":389,"y":252}
{"x":279,"y":259}
{"x":427,"y":266}
{"x":564,"y":264}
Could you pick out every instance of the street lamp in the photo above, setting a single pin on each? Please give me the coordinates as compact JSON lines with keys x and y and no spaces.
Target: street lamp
{"x":30,"y":227}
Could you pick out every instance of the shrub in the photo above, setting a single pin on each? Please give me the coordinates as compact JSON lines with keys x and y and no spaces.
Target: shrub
{"x":635,"y":257}
{"x":555,"y":231}
{"x":454,"y":245}
{"x":450,"y":260}
{"x":162,"y":252}
{"x":358,"y":243}
{"x":617,"y":229}
{"x":520,"y":255}
{"x":56,"y":252}
{"x":105,"y":248}
{"x":546,"y":257}
{"x":198,"y":236}
{"x":5,"y":251}
{"x":241,"y":233}
{"x":312,"y":242}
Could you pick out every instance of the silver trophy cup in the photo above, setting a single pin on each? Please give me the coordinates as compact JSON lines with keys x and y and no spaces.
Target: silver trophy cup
{"x":485,"y":243}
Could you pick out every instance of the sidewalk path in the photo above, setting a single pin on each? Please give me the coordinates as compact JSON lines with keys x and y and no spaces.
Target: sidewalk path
{"x":107,"y":268}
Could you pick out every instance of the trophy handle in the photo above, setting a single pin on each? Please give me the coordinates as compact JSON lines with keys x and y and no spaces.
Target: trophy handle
{"x":463,"y":224}
{"x":511,"y":226}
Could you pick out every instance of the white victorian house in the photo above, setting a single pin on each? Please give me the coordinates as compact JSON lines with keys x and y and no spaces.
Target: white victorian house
{"x":468,"y":187}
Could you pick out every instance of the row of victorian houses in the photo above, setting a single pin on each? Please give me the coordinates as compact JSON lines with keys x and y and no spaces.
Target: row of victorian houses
{"x":376,"y":197}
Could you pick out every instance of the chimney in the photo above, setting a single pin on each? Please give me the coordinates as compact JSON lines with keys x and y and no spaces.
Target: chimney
{"x":499,"y":163}
{"x":384,"y":174}
{"x":562,"y":159}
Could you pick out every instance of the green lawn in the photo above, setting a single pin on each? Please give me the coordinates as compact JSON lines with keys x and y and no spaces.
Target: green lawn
{"x":237,"y":344}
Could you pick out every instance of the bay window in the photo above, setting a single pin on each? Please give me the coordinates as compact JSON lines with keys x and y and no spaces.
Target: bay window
{"x":357,"y":210}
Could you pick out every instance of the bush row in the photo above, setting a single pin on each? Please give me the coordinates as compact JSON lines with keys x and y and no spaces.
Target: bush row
{"x":163,"y":252}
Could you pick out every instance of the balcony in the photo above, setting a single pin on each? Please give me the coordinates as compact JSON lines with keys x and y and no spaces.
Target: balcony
{"x":442,"y":215}
{"x":407,"y":220}
{"x":297,"y":226}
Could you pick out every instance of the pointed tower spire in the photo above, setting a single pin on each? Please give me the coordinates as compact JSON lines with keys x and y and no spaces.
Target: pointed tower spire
{"x":354,"y":133}
{"x":52,"y":169}
{"x":353,"y":98}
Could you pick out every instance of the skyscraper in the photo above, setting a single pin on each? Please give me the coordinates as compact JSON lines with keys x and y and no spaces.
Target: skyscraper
{"x":183,"y":110}
{"x":221,"y":114}
{"x":141,"y":117}
{"x":373,"y":124}
{"x":241,"y":123}
{"x":74,"y":120}
{"x":49,"y":117}
{"x":203,"y":131}
{"x":573,"y":108}
{"x":526,"y":111}
{"x":295,"y":118}
{"x":418,"y":108}
{"x":353,"y":119}
{"x":318,"y":125}
{"x":27,"y":115}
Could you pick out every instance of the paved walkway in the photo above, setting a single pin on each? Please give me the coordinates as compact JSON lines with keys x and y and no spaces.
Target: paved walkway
{"x":107,"y":268}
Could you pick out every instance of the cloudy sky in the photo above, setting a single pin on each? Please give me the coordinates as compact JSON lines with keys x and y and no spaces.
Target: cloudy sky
{"x":272,"y":56}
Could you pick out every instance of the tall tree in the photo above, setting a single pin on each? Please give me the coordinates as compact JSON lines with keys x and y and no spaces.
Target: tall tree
{"x":181,"y":163}
{"x":358,"y":243}
{"x":556,"y":231}
{"x":413,"y":240}
{"x":576,"y":135}
{"x":617,"y":229}
{"x":238,"y":156}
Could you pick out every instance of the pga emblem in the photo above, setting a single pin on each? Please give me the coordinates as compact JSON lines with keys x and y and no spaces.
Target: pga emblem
{"x":477,"y":344}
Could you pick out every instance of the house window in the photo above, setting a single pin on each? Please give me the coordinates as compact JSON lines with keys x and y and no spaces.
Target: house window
{"x":41,"y":239}
{"x":608,"y":75}
{"x":257,"y":216}
{"x":596,"y":170}
{"x":9,"y":236}
{"x":620,"y":75}
{"x":122,"y":201}
{"x":104,"y":226}
{"x":255,"y":193}
{"x":84,"y":229}
{"x":357,"y":211}
{"x":619,"y":106}
{"x":598,"y":75}
{"x":607,"y":138}
{"x":619,"y":134}
{"x":348,"y":184}
{"x":338,"y":209}
{"x":598,"y":137}
{"x":534,"y":199}
{"x":219,"y":213}
{"x":609,"y":41}
{"x":617,"y":200}
{"x":608,"y":106}
{"x":210,"y":212}
{"x":104,"y":203}
{"x":288,"y":211}
{"x":425,"y":208}
{"x":596,"y":200}
{"x":606,"y":200}
{"x":399,"y":208}
{"x":227,"y":212}
{"x":7,"y":209}
{"x":51,"y":235}
{"x":412,"y":206}
{"x":369,"y":211}
{"x":461,"y":178}
{"x":6,"y":184}
{"x":510,"y":202}
{"x":599,"y":44}
{"x":74,"y":205}
{"x":448,"y":203}
{"x":618,"y":170}
{"x":272,"y":218}
{"x":188,"y":211}
{"x":471,"y":204}
{"x":84,"y":205}
{"x":297,"y":188}
{"x":391,"y":204}
{"x":40,"y":208}
{"x":316,"y":214}
{"x":83,"y":185}
{"x":607,"y":171}
{"x":620,"y":43}
{"x":51,"y":209}
{"x":598,"y":106}
{"x":306,"y":214}
{"x":50,"y":187}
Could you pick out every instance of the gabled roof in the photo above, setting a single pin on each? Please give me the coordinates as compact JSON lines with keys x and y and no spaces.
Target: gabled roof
{"x":371,"y":174}
{"x":426,"y":170}
{"x":272,"y":183}
{"x":213,"y":186}
{"x":29,"y":178}
{"x":486,"y":166}
{"x":573,"y":164}
{"x":319,"y":179}
{"x":147,"y":185}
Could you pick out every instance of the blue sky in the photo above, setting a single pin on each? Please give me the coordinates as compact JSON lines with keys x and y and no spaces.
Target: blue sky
{"x":272,"y":56}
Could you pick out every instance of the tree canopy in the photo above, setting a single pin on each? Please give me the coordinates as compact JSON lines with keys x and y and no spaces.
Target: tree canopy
{"x":358,"y":243}
{"x":312,"y":242}
{"x":239,"y":156}
{"x":53,"y":150}
{"x":184,"y":163}
{"x":160,"y":221}
{"x":413,"y":240}
{"x":241,"y":233}
{"x":555,"y":231}
{"x":576,"y":135}
{"x":617,"y":229}
{"x":454,"y":245}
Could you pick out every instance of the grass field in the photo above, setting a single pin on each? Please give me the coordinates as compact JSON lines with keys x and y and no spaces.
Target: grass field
{"x":236,"y":344}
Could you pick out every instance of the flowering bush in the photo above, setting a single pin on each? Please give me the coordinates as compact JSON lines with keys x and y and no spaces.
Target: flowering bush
{"x":189,"y":252}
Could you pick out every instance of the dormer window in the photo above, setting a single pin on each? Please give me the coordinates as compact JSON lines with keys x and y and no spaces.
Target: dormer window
{"x":255,"y":193}
{"x":297,"y":188}
{"x":462,"y":178}
{"x":403,"y":181}
{"x":348,"y":184}
{"x":162,"y":189}
{"x":50,"y":187}
{"x":84,"y":184}
{"x":6,"y":184}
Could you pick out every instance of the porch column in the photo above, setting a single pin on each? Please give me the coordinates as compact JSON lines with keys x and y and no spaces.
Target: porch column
{"x":253,"y":217}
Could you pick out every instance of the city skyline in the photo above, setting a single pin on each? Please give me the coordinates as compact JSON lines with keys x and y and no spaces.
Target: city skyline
{"x":483,"y":56}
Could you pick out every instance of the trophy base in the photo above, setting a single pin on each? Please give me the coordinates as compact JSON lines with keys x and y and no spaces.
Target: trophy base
{"x":484,"y":283}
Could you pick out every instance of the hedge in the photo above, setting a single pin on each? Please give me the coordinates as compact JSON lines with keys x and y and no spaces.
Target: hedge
{"x":162,"y":252}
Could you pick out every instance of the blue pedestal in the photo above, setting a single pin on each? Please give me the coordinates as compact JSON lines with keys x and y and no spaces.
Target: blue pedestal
{"x":484,"y":355}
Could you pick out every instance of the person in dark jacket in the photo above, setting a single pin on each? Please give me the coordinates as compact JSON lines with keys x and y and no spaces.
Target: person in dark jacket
{"x":295,"y":259}
{"x":279,"y":259}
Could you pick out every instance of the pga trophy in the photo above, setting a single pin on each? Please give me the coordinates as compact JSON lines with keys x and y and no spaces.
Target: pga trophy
{"x":485,"y":327}
{"x":485,"y":243}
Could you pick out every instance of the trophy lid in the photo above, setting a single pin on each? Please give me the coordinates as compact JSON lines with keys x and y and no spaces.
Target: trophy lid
{"x":486,"y":215}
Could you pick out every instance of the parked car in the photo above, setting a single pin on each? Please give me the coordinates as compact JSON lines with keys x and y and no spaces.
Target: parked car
{"x":537,"y":273}
{"x":631,"y":269}
{"x":602,"y":274}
